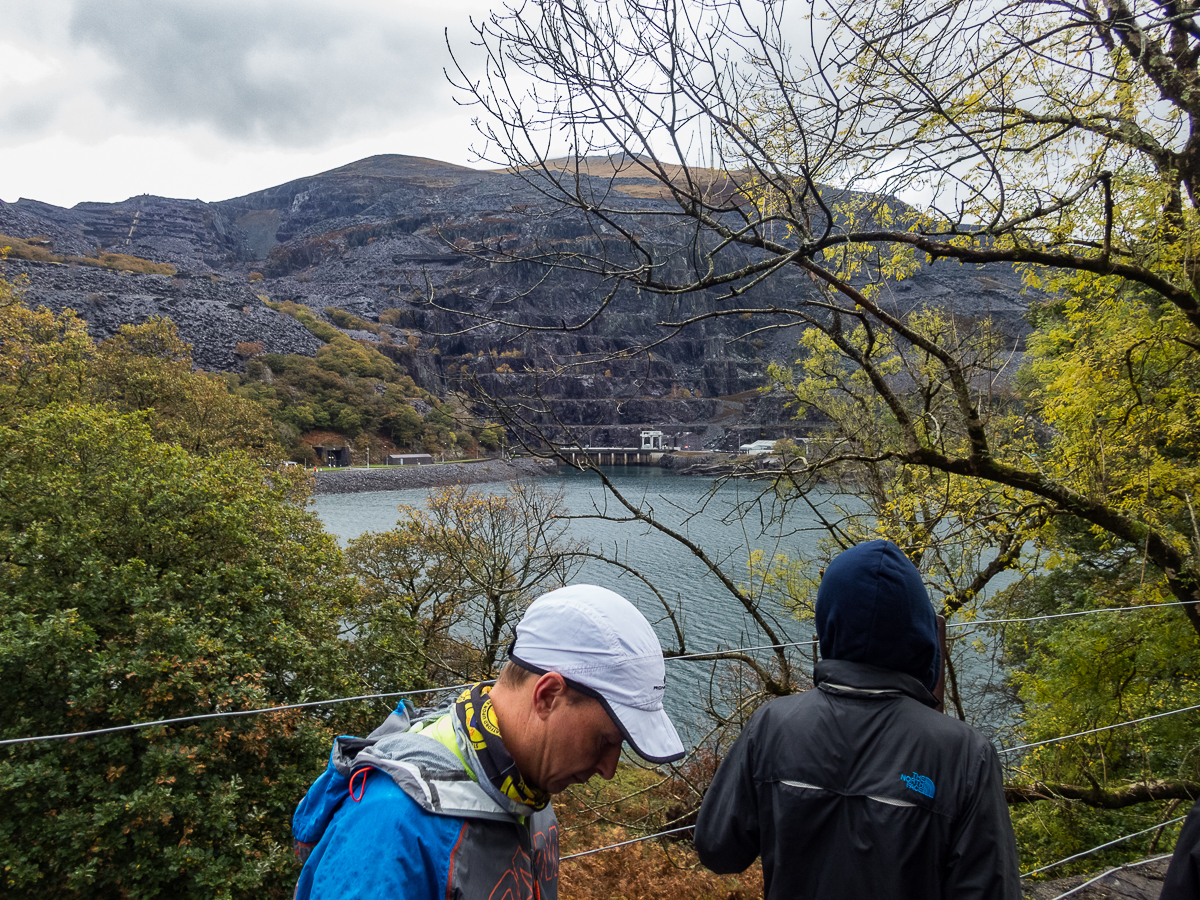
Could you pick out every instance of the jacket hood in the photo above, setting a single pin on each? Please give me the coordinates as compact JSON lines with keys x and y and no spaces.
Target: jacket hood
{"x":429,"y":773}
{"x":872,"y":608}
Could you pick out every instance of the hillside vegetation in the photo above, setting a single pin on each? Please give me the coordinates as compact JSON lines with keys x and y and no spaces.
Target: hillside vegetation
{"x":38,"y":250}
{"x":154,"y":564}
{"x":355,"y":390}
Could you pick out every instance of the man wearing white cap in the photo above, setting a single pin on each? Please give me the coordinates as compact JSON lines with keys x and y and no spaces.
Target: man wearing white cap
{"x":456,"y":803}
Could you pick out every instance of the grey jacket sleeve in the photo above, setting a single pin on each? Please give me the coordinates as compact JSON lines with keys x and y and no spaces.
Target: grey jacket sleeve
{"x":982,"y":861}
{"x":727,"y":830}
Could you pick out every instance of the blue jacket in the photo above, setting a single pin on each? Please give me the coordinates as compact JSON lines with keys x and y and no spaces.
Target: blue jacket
{"x":397,"y":815}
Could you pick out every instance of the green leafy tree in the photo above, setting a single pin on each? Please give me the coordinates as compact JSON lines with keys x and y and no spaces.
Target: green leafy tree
{"x":1112,"y":392}
{"x":962,"y":533}
{"x":1112,"y":375}
{"x":492,"y":437}
{"x":1076,"y":674}
{"x":43,"y":357}
{"x":403,"y":425}
{"x":1063,"y":147}
{"x":148,"y":367}
{"x":409,"y":580}
{"x":141,"y":582}
{"x":346,"y":356}
{"x":465,"y":568}
{"x":47,"y":357}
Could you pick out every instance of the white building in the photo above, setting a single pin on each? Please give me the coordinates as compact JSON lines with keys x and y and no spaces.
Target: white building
{"x":652,"y":440}
{"x":758,"y":448}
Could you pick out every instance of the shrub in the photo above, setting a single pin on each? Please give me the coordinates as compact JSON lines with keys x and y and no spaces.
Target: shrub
{"x":142,"y":583}
{"x":249,"y":349}
{"x":125,"y":263}
{"x":349,"y":321}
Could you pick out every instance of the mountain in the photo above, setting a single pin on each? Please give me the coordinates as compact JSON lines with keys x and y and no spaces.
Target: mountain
{"x":381,"y":237}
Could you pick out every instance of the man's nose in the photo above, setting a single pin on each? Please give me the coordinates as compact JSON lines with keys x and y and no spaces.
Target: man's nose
{"x":607,"y":767}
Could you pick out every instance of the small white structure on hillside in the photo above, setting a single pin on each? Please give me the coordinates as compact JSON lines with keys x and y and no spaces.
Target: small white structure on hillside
{"x":652,"y":440}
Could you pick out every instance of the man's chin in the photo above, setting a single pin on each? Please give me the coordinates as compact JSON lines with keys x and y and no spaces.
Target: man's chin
{"x":560,"y":785}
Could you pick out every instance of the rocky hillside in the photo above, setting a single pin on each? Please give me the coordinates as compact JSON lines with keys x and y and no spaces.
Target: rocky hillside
{"x":382,"y":237}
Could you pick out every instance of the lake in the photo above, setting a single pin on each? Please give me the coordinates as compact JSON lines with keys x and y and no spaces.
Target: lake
{"x":711,"y":617}
{"x":707,"y":513}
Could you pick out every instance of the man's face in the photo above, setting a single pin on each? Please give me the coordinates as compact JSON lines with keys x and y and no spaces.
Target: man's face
{"x":581,"y":741}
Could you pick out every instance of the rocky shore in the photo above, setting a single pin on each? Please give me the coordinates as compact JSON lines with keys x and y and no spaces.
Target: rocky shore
{"x":400,"y":478}
{"x":722,"y":465}
{"x":1137,"y":881}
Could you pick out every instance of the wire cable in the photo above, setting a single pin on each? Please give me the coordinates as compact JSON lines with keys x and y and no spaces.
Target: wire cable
{"x":1081,"y":612}
{"x":1102,"y":846}
{"x":223,"y":715}
{"x":701,"y":656}
{"x":624,"y":843}
{"x":312,"y":703}
{"x":709,"y":654}
{"x":269,"y":709}
{"x":1066,"y":737}
{"x":1132,"y":865}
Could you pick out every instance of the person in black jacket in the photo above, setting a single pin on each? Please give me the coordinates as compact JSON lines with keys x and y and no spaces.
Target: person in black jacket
{"x":859,"y":789}
{"x":1183,"y":876}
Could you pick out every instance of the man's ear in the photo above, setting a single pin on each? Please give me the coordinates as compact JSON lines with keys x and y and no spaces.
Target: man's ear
{"x":548,"y":690}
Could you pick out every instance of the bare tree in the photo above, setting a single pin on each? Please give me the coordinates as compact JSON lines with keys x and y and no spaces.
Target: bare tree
{"x":1055,"y":137}
{"x":464,"y":569}
{"x":839,"y":148}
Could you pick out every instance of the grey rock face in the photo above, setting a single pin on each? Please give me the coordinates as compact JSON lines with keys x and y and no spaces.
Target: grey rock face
{"x":195,"y":236}
{"x":213,"y":315}
{"x":402,"y":236}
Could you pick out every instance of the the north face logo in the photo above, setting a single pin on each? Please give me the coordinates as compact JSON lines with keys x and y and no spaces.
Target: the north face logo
{"x":918,"y":783}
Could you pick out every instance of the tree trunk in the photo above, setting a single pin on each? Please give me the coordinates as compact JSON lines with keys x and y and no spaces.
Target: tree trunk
{"x":1116,"y":798}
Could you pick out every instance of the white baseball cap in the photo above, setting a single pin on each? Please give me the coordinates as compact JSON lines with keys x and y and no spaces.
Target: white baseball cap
{"x":604,"y":648}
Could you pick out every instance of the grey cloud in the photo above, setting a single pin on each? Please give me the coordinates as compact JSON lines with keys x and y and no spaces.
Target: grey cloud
{"x":28,"y":117}
{"x":285,"y":73}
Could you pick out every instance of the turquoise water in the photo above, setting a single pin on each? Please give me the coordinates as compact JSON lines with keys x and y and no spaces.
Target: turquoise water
{"x":707,"y":517}
{"x":723,"y":520}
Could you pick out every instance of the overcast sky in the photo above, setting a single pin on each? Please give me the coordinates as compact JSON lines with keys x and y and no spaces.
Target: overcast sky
{"x":211,"y":99}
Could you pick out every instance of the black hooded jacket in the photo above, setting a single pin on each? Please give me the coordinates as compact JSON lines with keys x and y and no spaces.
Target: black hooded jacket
{"x":859,"y":789}
{"x":1183,"y":877}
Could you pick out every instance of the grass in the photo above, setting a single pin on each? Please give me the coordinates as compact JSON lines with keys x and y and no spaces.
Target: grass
{"x":122,"y":262}
{"x":305,"y":317}
{"x":637,"y":802}
{"x":33,"y":250}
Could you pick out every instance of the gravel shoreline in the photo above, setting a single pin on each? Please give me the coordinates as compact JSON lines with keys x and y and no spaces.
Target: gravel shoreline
{"x":400,"y":478}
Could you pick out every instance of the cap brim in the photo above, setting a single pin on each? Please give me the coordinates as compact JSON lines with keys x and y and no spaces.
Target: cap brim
{"x":649,"y":732}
